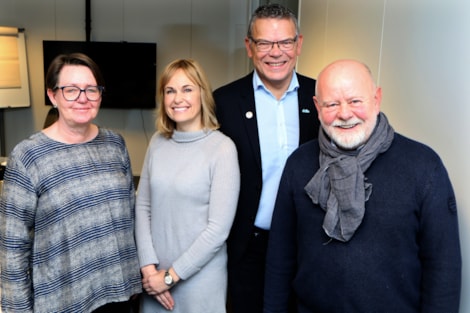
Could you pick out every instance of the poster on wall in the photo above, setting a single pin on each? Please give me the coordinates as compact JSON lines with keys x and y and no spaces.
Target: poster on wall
{"x":14,"y":83}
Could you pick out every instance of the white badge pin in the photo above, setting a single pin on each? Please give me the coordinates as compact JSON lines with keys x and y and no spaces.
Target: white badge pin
{"x":249,"y":115}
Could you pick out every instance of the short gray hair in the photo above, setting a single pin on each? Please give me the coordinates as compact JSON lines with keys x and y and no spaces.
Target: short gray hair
{"x":273,"y":10}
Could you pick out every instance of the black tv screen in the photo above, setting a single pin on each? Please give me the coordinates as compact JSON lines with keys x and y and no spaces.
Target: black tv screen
{"x":128,"y":68}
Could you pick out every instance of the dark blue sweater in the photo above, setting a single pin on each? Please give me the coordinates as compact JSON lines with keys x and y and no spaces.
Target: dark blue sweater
{"x":404,"y":257}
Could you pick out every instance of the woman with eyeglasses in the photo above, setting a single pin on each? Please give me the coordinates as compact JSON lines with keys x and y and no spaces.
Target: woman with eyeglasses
{"x":67,"y":210}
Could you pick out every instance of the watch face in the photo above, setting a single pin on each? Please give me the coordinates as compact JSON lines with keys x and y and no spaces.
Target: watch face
{"x":168,"y":279}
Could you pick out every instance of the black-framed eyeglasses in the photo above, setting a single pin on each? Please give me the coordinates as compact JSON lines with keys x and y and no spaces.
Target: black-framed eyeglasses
{"x":283,"y":45}
{"x":72,"y":93}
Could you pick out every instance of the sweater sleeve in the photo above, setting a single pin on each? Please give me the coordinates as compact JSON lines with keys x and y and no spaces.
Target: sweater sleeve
{"x":143,"y":233}
{"x":17,"y":211}
{"x":225,"y":186}
{"x":439,"y":245}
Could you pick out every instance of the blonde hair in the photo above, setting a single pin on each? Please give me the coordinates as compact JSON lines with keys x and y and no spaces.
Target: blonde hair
{"x":195,"y":73}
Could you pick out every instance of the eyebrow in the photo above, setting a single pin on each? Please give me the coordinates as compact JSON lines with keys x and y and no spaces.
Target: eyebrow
{"x":184,"y":86}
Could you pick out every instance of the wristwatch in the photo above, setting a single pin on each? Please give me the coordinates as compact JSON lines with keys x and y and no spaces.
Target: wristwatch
{"x":168,"y":279}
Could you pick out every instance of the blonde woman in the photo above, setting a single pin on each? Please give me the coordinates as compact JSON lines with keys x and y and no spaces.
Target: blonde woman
{"x":187,"y":198}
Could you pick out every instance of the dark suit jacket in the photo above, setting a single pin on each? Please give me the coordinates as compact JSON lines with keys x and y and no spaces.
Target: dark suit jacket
{"x":234,"y":102}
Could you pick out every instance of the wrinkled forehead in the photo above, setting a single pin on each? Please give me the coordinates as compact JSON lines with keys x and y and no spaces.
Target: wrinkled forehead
{"x":274,"y":28}
{"x":347,"y":76}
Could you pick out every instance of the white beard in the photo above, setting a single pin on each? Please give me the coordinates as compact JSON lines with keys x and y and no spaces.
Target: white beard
{"x":355,"y":139}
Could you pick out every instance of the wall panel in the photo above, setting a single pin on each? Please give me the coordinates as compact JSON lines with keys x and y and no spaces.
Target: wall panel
{"x":207,"y":30}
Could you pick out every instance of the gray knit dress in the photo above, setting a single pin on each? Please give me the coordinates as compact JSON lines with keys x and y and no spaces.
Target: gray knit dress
{"x":186,"y":203}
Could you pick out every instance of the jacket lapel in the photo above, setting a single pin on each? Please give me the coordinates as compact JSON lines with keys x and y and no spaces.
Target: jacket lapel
{"x":248,"y":116}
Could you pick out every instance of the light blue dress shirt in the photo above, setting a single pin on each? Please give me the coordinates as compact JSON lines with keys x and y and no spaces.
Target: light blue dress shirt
{"x":278,"y":128}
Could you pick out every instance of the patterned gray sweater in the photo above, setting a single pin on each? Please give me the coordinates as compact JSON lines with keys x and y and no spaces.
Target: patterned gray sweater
{"x":66,"y":226}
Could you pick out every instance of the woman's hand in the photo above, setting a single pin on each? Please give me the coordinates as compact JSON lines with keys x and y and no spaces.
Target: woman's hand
{"x":153,"y":280}
{"x":166,"y":300}
{"x":154,"y":284}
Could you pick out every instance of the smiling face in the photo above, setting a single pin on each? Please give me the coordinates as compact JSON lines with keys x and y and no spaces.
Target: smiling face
{"x":80,"y":112}
{"x":182,"y":101}
{"x":275,"y":67}
{"x":348,"y":103}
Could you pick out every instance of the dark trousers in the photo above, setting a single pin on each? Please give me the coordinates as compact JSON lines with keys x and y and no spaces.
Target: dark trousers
{"x":246,"y":277}
{"x":130,"y":306}
{"x":117,"y":307}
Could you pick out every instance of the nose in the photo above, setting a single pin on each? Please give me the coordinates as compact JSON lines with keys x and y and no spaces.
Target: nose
{"x":178,"y":97}
{"x":344,"y":111}
{"x":275,"y":50}
{"x":82,"y":97}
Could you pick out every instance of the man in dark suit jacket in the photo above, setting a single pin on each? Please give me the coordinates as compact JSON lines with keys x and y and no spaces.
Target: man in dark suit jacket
{"x":267,"y":113}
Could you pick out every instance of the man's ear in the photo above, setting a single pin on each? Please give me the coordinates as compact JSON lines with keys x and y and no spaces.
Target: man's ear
{"x":248,"y":48}
{"x":378,"y":98}
{"x":317,"y":105}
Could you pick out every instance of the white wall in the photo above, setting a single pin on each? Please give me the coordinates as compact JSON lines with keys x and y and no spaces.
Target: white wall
{"x":210,"y":31}
{"x":419,"y":52}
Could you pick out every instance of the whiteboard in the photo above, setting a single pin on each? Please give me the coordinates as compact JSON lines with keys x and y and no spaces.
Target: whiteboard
{"x":18,"y":96}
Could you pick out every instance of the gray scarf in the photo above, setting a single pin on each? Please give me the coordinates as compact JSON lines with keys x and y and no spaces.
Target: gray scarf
{"x":339,"y":185}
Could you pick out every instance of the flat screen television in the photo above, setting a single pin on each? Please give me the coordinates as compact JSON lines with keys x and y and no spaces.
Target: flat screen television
{"x":128,"y":68}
